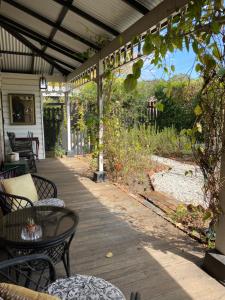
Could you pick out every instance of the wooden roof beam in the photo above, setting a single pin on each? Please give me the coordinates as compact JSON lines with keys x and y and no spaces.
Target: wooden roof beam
{"x":52,"y":23}
{"x":137,"y":6}
{"x":36,"y":50}
{"x":88,"y":17}
{"x":33,"y":54}
{"x":59,"y":21}
{"x":42,"y":39}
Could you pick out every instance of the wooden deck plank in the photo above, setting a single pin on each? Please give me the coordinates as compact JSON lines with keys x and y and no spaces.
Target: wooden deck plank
{"x":149,"y":254}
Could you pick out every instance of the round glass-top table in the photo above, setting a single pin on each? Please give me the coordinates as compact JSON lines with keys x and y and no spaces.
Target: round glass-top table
{"x":55,"y":229}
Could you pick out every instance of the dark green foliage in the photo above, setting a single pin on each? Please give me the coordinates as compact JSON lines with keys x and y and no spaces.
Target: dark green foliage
{"x":179,"y":99}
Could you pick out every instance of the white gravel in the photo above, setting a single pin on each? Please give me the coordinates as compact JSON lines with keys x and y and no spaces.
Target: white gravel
{"x":186,"y":188}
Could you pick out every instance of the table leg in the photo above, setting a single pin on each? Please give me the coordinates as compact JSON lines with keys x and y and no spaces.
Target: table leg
{"x":66,"y":262}
{"x":66,"y":256}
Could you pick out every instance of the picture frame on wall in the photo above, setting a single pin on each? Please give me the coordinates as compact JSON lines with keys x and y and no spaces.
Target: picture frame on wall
{"x":22,"y":109}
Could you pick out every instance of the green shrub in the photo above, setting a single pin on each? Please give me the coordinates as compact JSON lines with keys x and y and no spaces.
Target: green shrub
{"x":129,"y":150}
{"x":59,"y":151}
{"x":168,"y":142}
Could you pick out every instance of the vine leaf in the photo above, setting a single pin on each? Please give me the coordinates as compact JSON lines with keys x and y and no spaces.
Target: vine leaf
{"x":215,"y":27}
{"x":148,"y":46}
{"x":216,"y":52}
{"x":137,"y":68}
{"x":130,"y":83}
{"x":198,"y":110}
{"x":199,"y":68}
{"x":195,"y":47}
{"x":172,"y":68}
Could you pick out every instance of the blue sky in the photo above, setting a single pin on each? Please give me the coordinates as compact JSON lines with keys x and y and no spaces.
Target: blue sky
{"x":182,"y":60}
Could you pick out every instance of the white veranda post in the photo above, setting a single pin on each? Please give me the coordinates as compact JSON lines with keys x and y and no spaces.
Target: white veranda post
{"x":67,"y":101}
{"x":100,"y":174}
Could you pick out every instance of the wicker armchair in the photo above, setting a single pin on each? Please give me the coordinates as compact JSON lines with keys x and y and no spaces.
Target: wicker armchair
{"x":34,"y":271}
{"x":24,"y":148}
{"x":46,"y":189}
{"x":37,"y":272}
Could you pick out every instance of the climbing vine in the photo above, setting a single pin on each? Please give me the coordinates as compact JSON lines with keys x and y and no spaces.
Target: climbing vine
{"x":199,"y":27}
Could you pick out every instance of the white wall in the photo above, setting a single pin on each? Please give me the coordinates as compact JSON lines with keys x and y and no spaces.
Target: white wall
{"x":24,"y":84}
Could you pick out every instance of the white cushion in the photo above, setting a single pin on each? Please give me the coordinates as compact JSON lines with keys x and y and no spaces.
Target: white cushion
{"x":21,"y":186}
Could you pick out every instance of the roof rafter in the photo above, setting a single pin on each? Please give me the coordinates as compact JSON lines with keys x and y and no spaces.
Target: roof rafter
{"x":42,"y":39}
{"x":137,"y":6}
{"x":28,"y":44}
{"x":51,"y":23}
{"x":32,"y":63}
{"x":59,"y":21}
{"x":33,"y":54}
{"x":88,"y":17}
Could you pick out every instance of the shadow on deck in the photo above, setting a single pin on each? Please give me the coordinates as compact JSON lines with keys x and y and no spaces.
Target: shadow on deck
{"x":149,"y":254}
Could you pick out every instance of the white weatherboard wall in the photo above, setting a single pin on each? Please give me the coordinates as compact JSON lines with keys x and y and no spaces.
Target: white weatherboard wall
{"x":23,"y":84}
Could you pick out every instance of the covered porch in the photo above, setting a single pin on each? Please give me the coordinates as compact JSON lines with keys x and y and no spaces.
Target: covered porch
{"x":149,"y":254}
{"x":71,"y":43}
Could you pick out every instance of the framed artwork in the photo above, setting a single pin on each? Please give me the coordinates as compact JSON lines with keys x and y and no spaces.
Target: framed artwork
{"x":22,"y":109}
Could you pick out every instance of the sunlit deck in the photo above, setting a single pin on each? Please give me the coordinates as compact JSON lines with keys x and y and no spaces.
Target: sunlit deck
{"x":149,"y":254}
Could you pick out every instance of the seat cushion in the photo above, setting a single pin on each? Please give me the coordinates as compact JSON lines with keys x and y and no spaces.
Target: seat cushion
{"x":85,"y":287}
{"x":21,"y":186}
{"x":15,"y":292}
{"x":50,"y":202}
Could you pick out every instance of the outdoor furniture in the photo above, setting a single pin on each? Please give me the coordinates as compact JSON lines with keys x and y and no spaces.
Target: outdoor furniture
{"x":25,"y":149}
{"x":37,"y":272}
{"x":22,"y":164}
{"x":54,"y":230}
{"x":85,"y":287}
{"x":135,"y":296}
{"x":33,"y":139}
{"x":27,"y":271}
{"x":46,"y":190}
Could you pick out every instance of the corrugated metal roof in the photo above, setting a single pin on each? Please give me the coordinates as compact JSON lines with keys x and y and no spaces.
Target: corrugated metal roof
{"x":115,"y":13}
{"x":150,"y":4}
{"x":41,"y":66}
{"x":77,"y":32}
{"x":8,"y":42}
{"x":9,"y":62}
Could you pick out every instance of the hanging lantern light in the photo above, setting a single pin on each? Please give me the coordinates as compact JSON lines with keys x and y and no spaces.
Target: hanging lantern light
{"x":43,"y":83}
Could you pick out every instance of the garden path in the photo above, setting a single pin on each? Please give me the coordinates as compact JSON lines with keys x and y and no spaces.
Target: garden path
{"x":182,"y":181}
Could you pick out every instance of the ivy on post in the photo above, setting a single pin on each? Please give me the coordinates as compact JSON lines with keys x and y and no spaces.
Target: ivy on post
{"x":99,"y":176}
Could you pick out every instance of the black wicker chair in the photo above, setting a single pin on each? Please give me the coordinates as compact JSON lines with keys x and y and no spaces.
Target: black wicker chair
{"x":37,"y":272}
{"x":34,"y":271}
{"x":8,"y":202}
{"x":24,"y":148}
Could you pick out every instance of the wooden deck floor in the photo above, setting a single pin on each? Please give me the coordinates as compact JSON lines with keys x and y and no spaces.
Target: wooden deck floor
{"x":149,"y":254}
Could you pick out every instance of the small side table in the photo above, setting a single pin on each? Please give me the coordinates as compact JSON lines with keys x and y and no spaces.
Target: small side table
{"x":22,"y":164}
{"x":58,"y":227}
